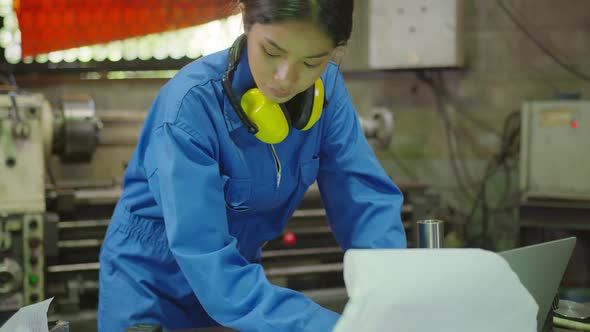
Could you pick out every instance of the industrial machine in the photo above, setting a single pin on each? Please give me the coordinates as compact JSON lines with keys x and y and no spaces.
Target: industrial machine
{"x":554,"y":179}
{"x":51,"y":229}
{"x":29,"y":133}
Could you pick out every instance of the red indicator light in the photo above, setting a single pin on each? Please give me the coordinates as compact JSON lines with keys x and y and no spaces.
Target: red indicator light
{"x":289,"y":239}
{"x":575,"y":124}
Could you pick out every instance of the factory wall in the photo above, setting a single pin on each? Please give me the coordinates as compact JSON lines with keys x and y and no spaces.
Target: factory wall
{"x":503,"y":68}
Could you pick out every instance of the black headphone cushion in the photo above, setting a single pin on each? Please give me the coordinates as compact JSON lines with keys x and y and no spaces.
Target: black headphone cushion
{"x":299,"y":108}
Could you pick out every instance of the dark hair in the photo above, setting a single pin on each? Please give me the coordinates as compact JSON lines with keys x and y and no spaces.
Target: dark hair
{"x":335,"y":16}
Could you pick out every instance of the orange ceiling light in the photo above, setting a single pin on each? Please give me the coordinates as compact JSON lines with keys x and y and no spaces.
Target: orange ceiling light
{"x":52,"y":25}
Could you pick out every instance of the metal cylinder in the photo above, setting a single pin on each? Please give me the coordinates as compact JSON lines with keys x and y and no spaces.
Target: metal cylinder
{"x":430,"y":233}
{"x":76,"y":130}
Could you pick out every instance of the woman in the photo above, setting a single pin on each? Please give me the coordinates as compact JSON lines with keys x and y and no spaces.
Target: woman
{"x":215,"y":176}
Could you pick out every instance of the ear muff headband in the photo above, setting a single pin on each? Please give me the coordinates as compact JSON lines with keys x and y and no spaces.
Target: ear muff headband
{"x":315,"y":110}
{"x":234,"y":56}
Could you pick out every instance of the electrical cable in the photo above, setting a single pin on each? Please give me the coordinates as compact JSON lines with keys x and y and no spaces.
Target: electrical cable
{"x":15,"y":113}
{"x":540,"y":45}
{"x":507,"y":152}
{"x":456,"y":106}
{"x":450,"y":135}
{"x":444,"y":94}
{"x":541,"y":76}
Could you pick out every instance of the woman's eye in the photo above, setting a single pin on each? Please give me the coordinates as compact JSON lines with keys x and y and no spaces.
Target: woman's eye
{"x":269,"y":53}
{"x":309,"y":65}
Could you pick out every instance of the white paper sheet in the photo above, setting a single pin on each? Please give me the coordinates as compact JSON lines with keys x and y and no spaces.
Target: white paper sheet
{"x":32,"y":318}
{"x":427,"y":290}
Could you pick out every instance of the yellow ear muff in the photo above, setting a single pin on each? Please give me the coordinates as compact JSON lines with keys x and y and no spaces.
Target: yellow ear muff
{"x":318,"y":104}
{"x":272,"y":124}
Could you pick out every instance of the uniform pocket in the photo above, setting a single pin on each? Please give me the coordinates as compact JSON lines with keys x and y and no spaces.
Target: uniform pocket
{"x":308,"y":171}
{"x":237,"y":193}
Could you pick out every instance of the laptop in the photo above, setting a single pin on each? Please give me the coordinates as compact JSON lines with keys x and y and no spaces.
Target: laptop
{"x":540,"y":268}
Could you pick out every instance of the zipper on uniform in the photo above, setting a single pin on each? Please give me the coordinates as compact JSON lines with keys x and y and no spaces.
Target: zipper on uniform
{"x":277,"y":164}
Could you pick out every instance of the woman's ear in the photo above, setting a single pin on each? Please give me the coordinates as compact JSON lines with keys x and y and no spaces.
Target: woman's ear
{"x":339,"y":53}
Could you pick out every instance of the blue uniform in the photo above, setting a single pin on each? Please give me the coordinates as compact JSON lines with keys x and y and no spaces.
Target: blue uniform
{"x":202,"y":195}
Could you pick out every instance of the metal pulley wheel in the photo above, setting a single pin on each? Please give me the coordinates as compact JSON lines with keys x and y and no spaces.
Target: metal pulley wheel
{"x":76,"y":130}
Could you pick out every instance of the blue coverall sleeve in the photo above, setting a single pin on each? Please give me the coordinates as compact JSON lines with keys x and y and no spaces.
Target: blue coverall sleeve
{"x":362,"y":203}
{"x":233,"y":291}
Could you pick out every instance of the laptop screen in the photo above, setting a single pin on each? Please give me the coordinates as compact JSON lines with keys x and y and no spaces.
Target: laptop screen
{"x":540,"y":268}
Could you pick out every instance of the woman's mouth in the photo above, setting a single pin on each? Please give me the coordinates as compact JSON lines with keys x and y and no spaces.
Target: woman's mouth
{"x":280,"y":93}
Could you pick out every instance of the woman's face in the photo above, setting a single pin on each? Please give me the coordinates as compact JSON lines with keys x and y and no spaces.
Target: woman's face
{"x":286,"y":58}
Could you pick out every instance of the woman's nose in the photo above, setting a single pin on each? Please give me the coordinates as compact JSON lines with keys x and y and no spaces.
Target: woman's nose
{"x":286,"y":74}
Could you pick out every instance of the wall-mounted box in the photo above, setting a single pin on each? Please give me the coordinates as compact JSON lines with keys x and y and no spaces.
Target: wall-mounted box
{"x":405,"y":34}
{"x":555,"y":150}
